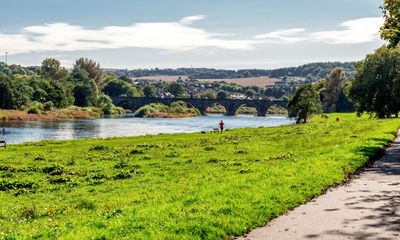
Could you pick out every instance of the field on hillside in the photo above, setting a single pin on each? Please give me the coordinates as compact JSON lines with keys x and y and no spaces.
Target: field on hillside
{"x":252,"y":81}
{"x":162,"y":78}
{"x":181,"y":186}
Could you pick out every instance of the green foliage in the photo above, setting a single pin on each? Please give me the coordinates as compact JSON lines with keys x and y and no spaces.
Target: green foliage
{"x":274,"y":109}
{"x":85,"y":95}
{"x":105,"y":103}
{"x":13,"y":94}
{"x":376,"y":87}
{"x":182,"y":107}
{"x":251,"y":93}
{"x":222,"y":95}
{"x":35,"y":108}
{"x":390,"y":31}
{"x":149,"y":91}
{"x":304,"y":103}
{"x":333,"y":88}
{"x":151,"y":108}
{"x":158,"y":109}
{"x":181,"y":186}
{"x":48,"y":106}
{"x":117,"y":87}
{"x":176,"y":89}
{"x":91,"y":67}
{"x":51,"y":69}
{"x":207,"y":95}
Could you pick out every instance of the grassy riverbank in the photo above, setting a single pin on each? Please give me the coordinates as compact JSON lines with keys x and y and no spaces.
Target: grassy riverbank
{"x":51,"y":115}
{"x":182,"y":186}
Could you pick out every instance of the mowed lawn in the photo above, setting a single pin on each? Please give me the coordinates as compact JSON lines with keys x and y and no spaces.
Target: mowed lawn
{"x":181,"y":186}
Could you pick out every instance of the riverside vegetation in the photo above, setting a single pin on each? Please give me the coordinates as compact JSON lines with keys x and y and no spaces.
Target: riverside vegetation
{"x":180,"y":186}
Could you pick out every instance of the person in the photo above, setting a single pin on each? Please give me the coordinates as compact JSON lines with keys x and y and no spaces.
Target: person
{"x":3,"y":131}
{"x":221,"y":126}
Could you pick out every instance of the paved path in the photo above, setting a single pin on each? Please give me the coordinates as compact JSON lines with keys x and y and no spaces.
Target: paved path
{"x":367,"y":208}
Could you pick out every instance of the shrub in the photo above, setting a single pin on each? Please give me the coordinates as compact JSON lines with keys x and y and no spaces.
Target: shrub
{"x":35,"y":107}
{"x":48,"y":106}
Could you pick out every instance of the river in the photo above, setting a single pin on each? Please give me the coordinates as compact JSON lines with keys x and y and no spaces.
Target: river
{"x":126,"y":125}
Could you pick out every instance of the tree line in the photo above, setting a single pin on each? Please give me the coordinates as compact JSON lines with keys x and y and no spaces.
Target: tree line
{"x":375,"y":88}
{"x":311,"y":71}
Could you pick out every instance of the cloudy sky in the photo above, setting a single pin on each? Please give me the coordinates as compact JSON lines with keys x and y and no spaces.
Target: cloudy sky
{"x":228,"y":34}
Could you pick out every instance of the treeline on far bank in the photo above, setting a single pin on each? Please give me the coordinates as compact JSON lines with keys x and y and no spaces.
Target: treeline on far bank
{"x":52,"y":86}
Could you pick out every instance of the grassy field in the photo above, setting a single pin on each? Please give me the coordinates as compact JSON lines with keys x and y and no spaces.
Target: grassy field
{"x":182,"y":186}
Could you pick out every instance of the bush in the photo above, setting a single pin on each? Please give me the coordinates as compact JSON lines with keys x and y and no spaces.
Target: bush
{"x":178,"y":107}
{"x":35,"y":108}
{"x":48,"y":106}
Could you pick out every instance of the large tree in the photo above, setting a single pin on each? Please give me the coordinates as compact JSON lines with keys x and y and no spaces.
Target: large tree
{"x":91,"y":67}
{"x":304,"y":103}
{"x":333,"y":87}
{"x":117,"y":87}
{"x":390,"y":31}
{"x":51,"y":69}
{"x":376,"y":87}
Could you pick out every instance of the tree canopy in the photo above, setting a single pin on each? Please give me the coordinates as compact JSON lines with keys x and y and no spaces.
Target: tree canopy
{"x":304,"y":103}
{"x":376,"y":87}
{"x":390,"y":31}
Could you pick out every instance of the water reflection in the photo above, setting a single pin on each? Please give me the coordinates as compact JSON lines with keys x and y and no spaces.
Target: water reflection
{"x":126,"y":125}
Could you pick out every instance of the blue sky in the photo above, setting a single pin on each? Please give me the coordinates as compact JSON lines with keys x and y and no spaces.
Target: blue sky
{"x":182,"y":33}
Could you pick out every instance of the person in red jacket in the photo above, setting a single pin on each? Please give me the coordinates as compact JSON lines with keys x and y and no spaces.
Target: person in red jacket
{"x":221,"y":126}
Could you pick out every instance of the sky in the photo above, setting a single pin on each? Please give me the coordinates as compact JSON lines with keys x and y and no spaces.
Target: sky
{"x":229,"y":34}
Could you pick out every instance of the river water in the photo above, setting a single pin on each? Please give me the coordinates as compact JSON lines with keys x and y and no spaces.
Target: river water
{"x":126,"y":125}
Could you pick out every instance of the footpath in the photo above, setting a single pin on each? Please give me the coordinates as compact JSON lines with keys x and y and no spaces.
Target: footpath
{"x":368,"y":207}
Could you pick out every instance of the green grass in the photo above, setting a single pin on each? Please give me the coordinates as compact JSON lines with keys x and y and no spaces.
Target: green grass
{"x":181,"y":186}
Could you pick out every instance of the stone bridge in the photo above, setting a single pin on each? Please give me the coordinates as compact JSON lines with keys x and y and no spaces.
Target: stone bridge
{"x":231,"y":105}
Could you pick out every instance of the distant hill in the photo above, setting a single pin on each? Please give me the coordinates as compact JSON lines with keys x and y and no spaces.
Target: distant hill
{"x":309,"y":72}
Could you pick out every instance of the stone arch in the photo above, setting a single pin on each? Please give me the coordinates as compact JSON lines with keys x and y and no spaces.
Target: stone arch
{"x":249,"y":107}
{"x":223,"y":111}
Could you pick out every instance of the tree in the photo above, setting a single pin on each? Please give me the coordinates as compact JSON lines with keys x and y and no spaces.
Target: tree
{"x":207,"y":95}
{"x":334,"y":85}
{"x":105,"y":103}
{"x":91,"y":67}
{"x":13,"y":94}
{"x":304,"y":103}
{"x":117,"y":87}
{"x":222,"y":95}
{"x":376,"y":86}
{"x":176,"y":89}
{"x":251,"y":93}
{"x":390,"y":31}
{"x":149,"y":91}
{"x":84,"y":95}
{"x":51,"y":69}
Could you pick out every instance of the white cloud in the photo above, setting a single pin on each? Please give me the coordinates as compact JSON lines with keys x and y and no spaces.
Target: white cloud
{"x":173,"y":36}
{"x":282,"y":36}
{"x":354,"y":31}
{"x":191,"y":19}
{"x":170,"y":36}
{"x":360,"y":30}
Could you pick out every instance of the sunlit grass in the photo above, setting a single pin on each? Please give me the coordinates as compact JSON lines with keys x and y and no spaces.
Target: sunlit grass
{"x":181,"y":186}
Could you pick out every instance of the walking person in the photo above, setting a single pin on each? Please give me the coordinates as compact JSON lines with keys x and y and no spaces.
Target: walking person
{"x":221,"y":126}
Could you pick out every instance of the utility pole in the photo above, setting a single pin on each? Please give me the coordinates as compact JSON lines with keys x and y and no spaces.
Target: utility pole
{"x":6,"y":57}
